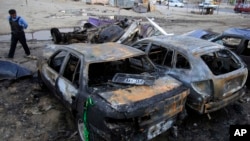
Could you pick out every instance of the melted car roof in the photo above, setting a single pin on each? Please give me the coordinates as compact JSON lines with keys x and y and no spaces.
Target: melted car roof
{"x":105,"y":51}
{"x":189,"y":44}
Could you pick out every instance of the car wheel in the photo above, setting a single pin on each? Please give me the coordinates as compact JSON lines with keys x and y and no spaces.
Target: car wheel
{"x":80,"y":125}
{"x":81,"y":133}
{"x":40,"y":81}
{"x":80,"y":129}
{"x":56,"y":35}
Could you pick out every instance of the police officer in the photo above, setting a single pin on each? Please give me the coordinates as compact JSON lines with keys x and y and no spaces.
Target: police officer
{"x":17,"y":25}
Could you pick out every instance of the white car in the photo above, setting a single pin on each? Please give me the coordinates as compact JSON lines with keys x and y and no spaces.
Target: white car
{"x":208,"y":5}
{"x":175,"y":3}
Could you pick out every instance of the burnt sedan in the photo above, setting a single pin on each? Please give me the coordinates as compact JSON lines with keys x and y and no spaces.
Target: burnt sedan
{"x":236,"y":39}
{"x":114,"y":91}
{"x":214,"y":74}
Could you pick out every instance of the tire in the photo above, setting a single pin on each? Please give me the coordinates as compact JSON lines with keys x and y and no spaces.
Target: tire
{"x":80,"y":127}
{"x":40,"y":81}
{"x":79,"y":124}
{"x":56,"y":35}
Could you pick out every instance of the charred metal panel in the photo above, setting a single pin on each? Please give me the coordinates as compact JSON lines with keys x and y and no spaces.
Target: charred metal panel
{"x":68,"y":91}
{"x":10,"y":70}
{"x":138,"y":93}
{"x":49,"y":74}
{"x":213,"y":106}
{"x":105,"y":51}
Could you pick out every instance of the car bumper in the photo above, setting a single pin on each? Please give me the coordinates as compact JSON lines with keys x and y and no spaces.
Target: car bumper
{"x":213,"y":106}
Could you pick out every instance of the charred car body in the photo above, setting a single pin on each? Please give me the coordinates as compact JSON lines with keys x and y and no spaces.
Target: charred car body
{"x":236,"y":39}
{"x":131,"y":99}
{"x":214,"y":74}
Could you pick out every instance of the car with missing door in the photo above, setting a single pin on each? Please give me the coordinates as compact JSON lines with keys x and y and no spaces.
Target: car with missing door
{"x":114,"y":91}
{"x":215,"y":75}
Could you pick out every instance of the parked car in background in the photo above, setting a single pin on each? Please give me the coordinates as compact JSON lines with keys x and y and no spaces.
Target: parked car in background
{"x":215,"y":75}
{"x":114,"y":91}
{"x":241,"y":7}
{"x":208,"y":5}
{"x":236,"y":39}
{"x":175,"y":3}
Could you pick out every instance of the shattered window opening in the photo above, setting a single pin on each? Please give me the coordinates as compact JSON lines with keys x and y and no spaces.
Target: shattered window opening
{"x":72,"y":70}
{"x":246,"y":48}
{"x":102,"y":73}
{"x":221,"y":62}
{"x":182,"y":62}
{"x":57,"y":61}
{"x":161,"y":55}
{"x":230,"y":42}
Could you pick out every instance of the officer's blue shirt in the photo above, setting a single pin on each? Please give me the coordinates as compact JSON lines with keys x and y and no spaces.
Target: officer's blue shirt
{"x":21,"y":21}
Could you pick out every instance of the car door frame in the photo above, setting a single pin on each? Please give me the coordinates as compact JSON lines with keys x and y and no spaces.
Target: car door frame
{"x":50,"y":75}
{"x":65,"y":88}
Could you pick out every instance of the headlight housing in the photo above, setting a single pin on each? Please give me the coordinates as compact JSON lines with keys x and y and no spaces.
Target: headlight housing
{"x":204,"y":88}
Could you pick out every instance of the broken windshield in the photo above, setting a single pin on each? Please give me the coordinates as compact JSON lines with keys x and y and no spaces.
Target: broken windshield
{"x":221,"y":62}
{"x":102,"y":74}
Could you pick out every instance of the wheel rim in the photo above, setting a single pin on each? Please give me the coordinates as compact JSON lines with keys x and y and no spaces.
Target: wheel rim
{"x":54,"y":37}
{"x":80,"y":127}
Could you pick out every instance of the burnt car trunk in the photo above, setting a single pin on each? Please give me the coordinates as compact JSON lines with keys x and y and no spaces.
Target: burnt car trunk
{"x":142,"y":118}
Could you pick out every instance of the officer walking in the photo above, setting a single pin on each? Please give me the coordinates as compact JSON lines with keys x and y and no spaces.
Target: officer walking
{"x":17,"y":25}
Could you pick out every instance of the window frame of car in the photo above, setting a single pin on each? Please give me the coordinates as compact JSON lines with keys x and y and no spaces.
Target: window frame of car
{"x":67,"y":64}
{"x":148,"y":46}
{"x":240,"y":48}
{"x":64,"y":64}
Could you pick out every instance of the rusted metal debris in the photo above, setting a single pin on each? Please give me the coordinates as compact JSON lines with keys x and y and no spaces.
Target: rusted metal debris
{"x":10,"y":70}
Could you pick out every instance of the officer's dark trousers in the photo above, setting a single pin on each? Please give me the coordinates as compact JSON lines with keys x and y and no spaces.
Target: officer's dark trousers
{"x":15,"y":37}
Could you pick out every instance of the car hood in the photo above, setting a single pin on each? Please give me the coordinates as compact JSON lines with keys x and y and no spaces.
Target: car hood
{"x":135,"y":97}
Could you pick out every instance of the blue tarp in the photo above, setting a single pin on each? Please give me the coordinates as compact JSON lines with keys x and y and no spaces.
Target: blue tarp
{"x":10,"y":70}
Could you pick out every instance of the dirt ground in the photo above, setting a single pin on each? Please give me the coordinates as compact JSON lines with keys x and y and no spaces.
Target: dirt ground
{"x":29,"y":113}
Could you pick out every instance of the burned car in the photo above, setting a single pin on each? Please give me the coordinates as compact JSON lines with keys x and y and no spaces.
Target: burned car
{"x":215,"y":75}
{"x":102,"y":30}
{"x":114,"y":91}
{"x":236,"y":39}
